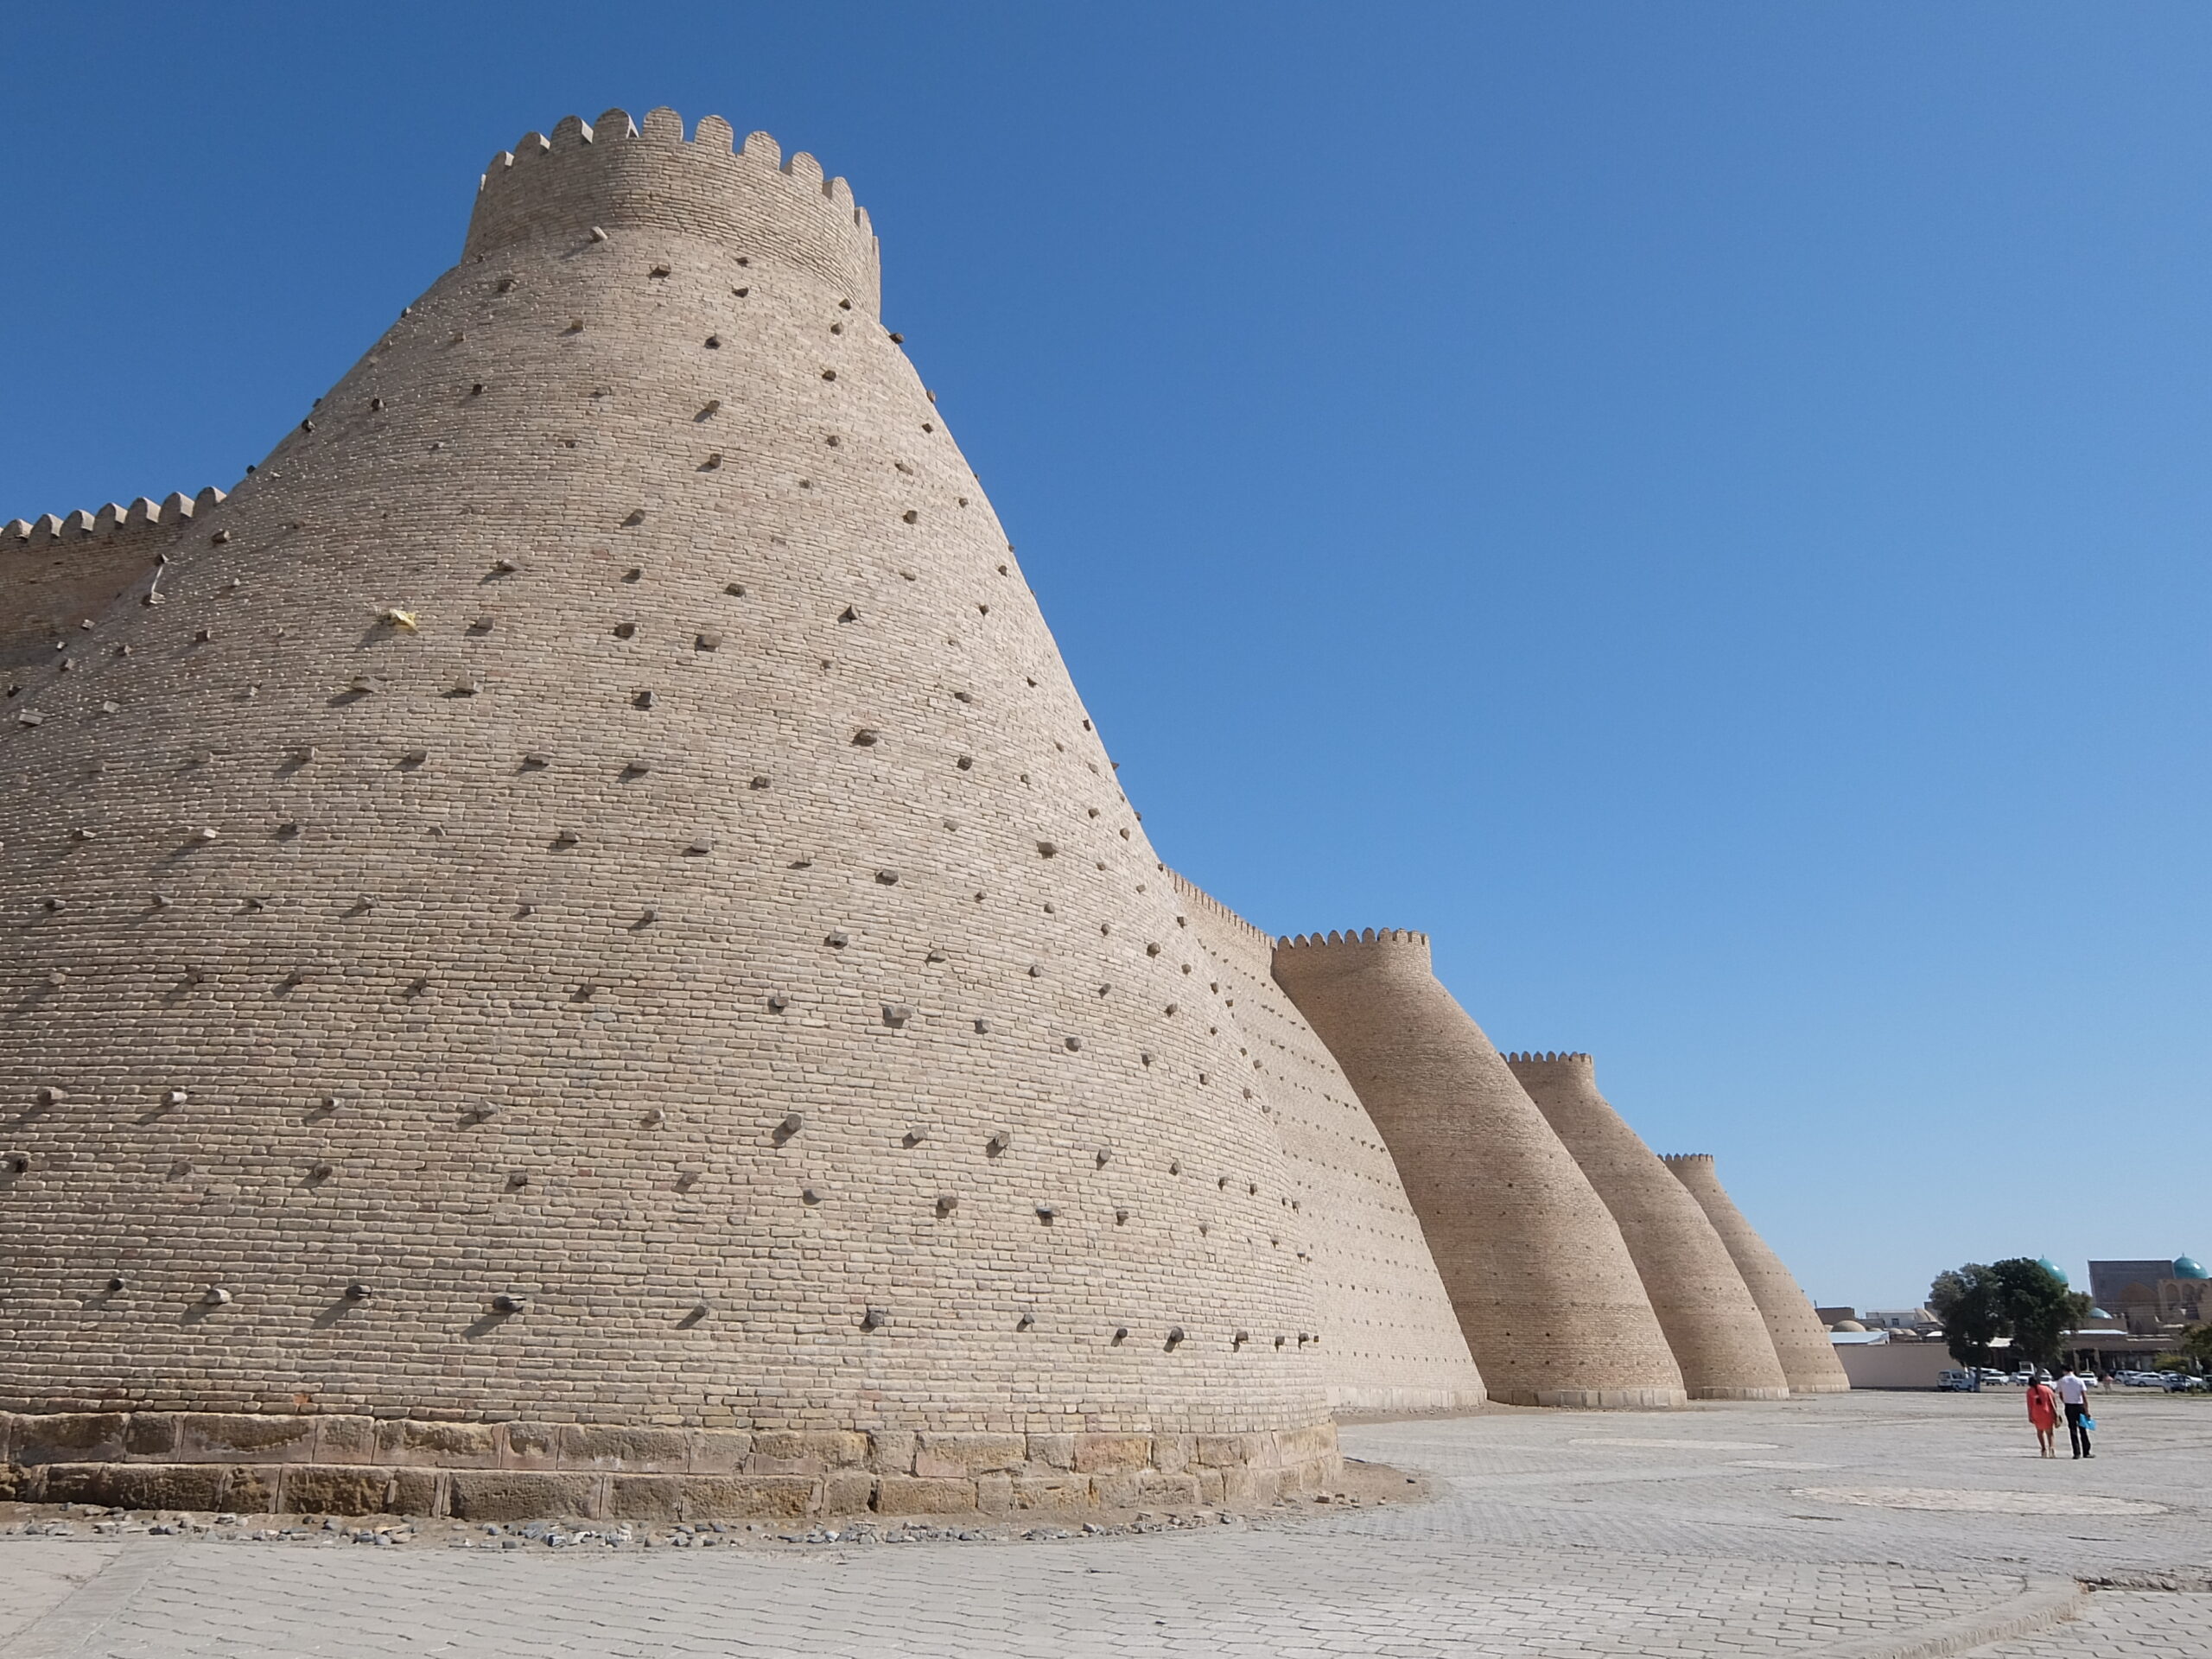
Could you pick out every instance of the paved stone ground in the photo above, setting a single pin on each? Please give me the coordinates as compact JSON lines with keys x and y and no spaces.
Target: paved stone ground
{"x":1556,"y":1534}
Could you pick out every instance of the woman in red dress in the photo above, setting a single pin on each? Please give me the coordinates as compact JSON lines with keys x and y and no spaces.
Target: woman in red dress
{"x":2042,"y":1412}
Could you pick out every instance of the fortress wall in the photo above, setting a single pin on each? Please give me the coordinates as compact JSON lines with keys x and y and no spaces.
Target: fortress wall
{"x":594,"y":901}
{"x":1801,"y":1342}
{"x":1535,"y":1267}
{"x":749,"y":200}
{"x":1711,"y":1321}
{"x":1387,"y":1336}
{"x":59,"y":571}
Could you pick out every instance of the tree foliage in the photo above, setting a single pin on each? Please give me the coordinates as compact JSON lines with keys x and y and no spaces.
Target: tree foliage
{"x":1964,"y":1299}
{"x":2197,"y":1342}
{"x":2018,"y":1298}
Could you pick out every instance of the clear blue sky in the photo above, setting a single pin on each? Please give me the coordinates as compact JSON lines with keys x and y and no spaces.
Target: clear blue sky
{"x":1702,"y":507}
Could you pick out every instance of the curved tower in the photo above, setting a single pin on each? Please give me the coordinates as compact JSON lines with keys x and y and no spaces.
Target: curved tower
{"x":1800,"y":1341}
{"x":1711,"y":1323}
{"x":1536,"y":1268}
{"x":1391,"y":1342}
{"x":581,"y":951}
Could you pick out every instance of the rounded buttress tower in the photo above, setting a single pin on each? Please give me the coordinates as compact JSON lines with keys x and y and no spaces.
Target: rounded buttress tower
{"x":586,"y":956}
{"x":1711,"y":1323}
{"x":1537,"y":1269}
{"x":1800,"y":1341}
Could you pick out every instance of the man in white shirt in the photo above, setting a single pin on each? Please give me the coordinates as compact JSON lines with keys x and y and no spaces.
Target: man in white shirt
{"x":2074,"y":1395}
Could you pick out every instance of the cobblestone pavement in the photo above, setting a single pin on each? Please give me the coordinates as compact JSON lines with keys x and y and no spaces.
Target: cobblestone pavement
{"x":1556,"y":1534}
{"x":2121,"y":1622}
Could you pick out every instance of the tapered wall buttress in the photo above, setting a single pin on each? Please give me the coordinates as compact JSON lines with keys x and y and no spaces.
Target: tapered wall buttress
{"x":1800,"y":1341}
{"x":1537,"y":1270}
{"x":1388,"y":1338}
{"x":578,"y":922}
{"x":1711,"y":1323}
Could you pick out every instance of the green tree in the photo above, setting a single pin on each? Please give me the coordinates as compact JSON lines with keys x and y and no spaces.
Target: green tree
{"x":2035,"y":1308}
{"x":2197,"y":1342}
{"x":1965,"y":1300}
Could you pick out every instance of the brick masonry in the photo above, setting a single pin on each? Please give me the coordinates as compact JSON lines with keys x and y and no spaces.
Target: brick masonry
{"x":1711,"y":1323}
{"x":1537,"y":1271}
{"x":592,"y":898}
{"x":570,"y":945}
{"x":1800,"y":1341}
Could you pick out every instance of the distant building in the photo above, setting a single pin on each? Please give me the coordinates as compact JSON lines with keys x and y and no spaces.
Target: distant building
{"x":1897,"y":1319}
{"x":2153,"y":1298}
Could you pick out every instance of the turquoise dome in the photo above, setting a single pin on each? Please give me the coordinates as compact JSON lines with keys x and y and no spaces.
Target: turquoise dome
{"x":2057,"y":1271}
{"x":2186,"y":1269}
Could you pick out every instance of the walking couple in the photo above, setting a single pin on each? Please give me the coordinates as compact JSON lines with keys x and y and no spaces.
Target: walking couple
{"x":2044,"y":1401}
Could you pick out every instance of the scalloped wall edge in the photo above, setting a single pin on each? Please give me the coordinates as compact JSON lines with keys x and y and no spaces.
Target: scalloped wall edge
{"x":713,"y":136}
{"x":1548,"y":1056}
{"x":38,"y":535}
{"x":1351,"y":935}
{"x":1191,"y":892}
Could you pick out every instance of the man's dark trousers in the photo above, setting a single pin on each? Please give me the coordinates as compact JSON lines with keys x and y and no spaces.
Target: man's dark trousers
{"x":2075,"y":1433}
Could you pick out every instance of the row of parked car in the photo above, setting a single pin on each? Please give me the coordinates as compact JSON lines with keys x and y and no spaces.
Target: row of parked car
{"x":1973,"y":1380}
{"x":2171,"y":1381}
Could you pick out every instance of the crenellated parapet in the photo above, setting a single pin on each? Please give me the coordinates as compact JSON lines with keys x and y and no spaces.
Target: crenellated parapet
{"x":593,"y":181}
{"x":1255,"y":938}
{"x":1355,"y":937}
{"x":143,"y":519}
{"x":1550,"y":1057}
{"x":59,"y":571}
{"x":1684,"y":1160}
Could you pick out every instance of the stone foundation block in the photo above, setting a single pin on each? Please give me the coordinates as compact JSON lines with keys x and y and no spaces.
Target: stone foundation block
{"x":1249,"y":1489}
{"x":1171,"y":1454}
{"x":1102,"y":1453}
{"x":891,"y":1450}
{"x":152,"y":1434}
{"x":644,"y":1497}
{"x":1049,"y":1491}
{"x":913,"y":1494}
{"x":218,"y":1437}
{"x":418,"y":1491}
{"x":337,"y":1489}
{"x":252,"y":1489}
{"x":746,"y":1497}
{"x":1117,"y":1491}
{"x":530,"y":1446}
{"x":847,"y":1492}
{"x":346,"y":1439}
{"x":597,"y":1446}
{"x":720,"y":1450}
{"x":1052,"y":1451}
{"x":1167,"y":1492}
{"x":794,"y":1452}
{"x":1213,"y":1488}
{"x":443,"y":1446}
{"x":994,"y":1493}
{"x":514,"y":1495}
{"x":958,"y":1456}
{"x":70,"y":1437}
{"x":134,"y":1485}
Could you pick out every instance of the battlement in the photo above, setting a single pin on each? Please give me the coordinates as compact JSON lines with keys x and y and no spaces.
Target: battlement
{"x":1550,"y":1057}
{"x":1373,"y":935}
{"x":111,"y":527}
{"x":600,"y":180}
{"x":143,"y":519}
{"x":1671,"y":1158}
{"x":1199,"y":899}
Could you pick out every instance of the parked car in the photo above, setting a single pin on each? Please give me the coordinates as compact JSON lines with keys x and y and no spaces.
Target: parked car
{"x":2182,"y":1382}
{"x":1957,"y":1383}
